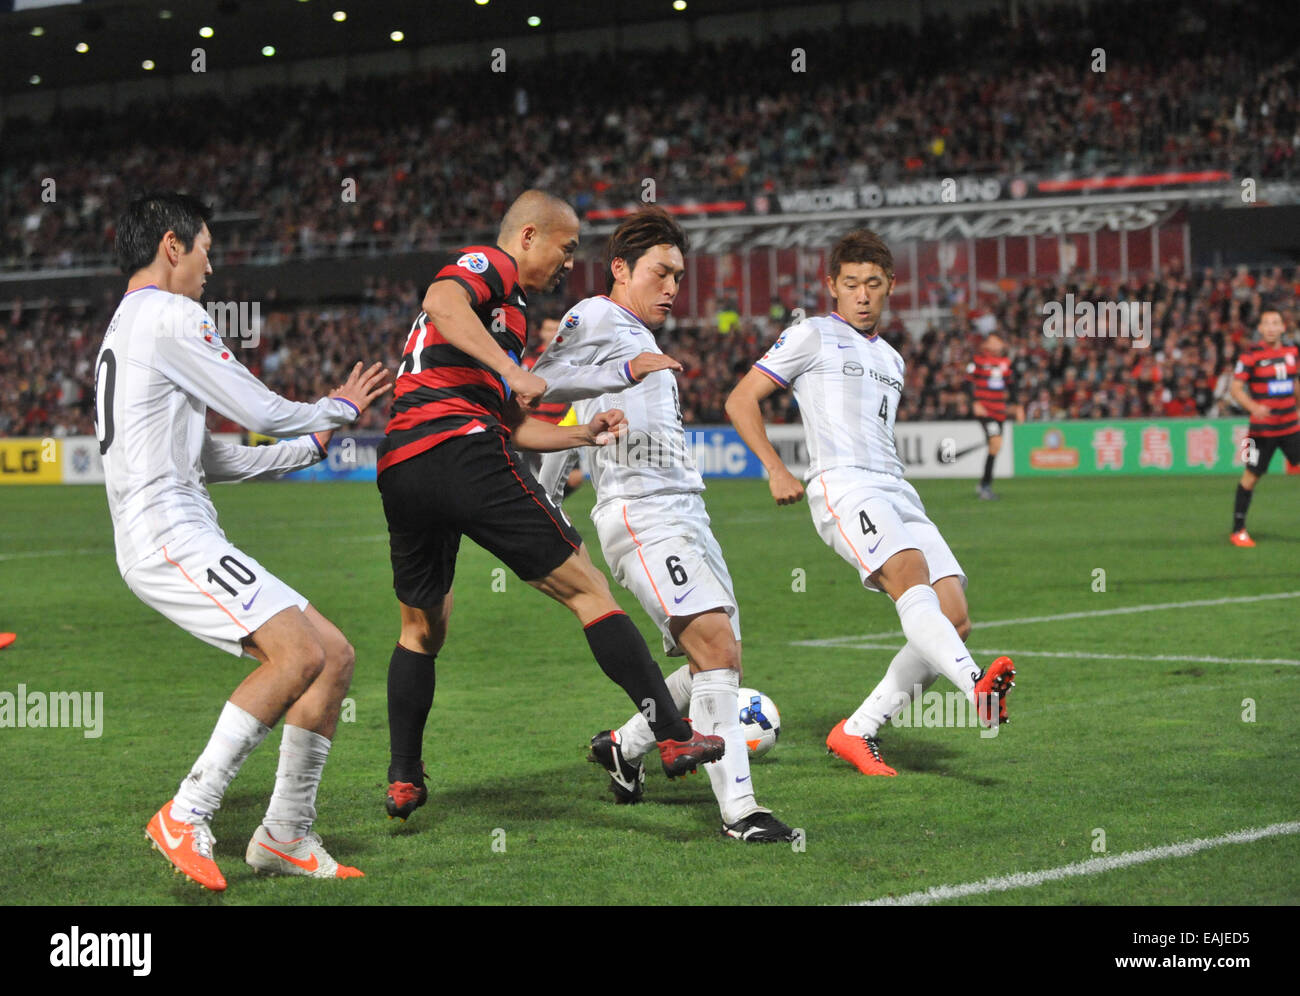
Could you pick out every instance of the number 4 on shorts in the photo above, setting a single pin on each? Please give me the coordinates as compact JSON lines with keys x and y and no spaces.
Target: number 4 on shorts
{"x":867,"y":525}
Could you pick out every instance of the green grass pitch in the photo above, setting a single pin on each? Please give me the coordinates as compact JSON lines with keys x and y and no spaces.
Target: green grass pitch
{"x":1111,"y":735}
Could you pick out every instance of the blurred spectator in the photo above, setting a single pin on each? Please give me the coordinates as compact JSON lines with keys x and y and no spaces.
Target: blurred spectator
{"x":431,"y":160}
{"x":47,"y":352}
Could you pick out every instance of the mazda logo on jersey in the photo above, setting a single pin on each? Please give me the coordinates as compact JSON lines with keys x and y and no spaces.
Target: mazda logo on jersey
{"x":852,"y":369}
{"x":897,"y":385}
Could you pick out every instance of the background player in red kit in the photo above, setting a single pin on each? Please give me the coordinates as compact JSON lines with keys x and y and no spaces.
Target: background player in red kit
{"x":446,"y":470}
{"x":991,"y":381}
{"x":1264,"y":384}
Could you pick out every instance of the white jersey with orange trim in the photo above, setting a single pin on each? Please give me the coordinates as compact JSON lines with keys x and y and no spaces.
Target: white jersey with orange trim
{"x":848,"y":386}
{"x":588,"y":364}
{"x":160,"y":368}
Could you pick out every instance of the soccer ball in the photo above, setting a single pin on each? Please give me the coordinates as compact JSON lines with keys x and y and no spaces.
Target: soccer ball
{"x":759,"y":721}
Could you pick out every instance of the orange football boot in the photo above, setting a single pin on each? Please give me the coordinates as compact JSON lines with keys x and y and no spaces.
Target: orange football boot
{"x":997,"y":679}
{"x":188,"y":846}
{"x":861,"y":752}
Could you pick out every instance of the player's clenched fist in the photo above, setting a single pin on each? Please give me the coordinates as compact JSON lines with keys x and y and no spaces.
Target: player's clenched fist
{"x":526,"y":388}
{"x":363,"y":387}
{"x":606,"y":427}
{"x":785,"y":487}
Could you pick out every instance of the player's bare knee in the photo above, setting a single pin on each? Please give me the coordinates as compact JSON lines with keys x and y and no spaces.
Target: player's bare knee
{"x":434,"y":637}
{"x":426,"y":637}
{"x":727,"y":660}
{"x":592,"y":582}
{"x":312,"y":663}
{"x":424,"y":631}
{"x":342,"y":662}
{"x":302,"y":666}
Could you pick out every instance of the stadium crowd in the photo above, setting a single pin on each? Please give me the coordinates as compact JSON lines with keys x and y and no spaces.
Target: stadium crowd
{"x":1200,"y":322}
{"x":742,"y":120}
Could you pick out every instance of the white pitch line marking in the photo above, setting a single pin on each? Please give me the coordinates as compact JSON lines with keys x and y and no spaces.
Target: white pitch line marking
{"x":1096,"y":866}
{"x":834,"y":641}
{"x":1090,"y":655}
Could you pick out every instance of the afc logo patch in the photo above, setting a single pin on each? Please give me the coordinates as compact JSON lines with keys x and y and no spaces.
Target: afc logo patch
{"x":475,"y":262}
{"x":572,"y":320}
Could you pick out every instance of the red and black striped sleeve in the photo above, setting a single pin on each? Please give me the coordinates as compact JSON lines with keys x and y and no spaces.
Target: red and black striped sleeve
{"x":488,"y":273}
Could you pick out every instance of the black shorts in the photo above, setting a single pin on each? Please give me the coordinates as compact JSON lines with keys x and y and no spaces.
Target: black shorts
{"x":473,"y":486}
{"x":1266,"y":446}
{"x":992,"y":427}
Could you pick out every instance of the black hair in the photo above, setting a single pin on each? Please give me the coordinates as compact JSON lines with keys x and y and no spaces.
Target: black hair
{"x":147,"y":219}
{"x":638,"y":233}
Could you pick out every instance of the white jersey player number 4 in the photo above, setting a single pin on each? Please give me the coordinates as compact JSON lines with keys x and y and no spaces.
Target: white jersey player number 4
{"x":848,"y":382}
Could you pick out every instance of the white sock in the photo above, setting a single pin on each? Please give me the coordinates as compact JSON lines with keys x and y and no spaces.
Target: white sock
{"x":716,"y":711}
{"x":235,"y":736}
{"x":293,"y":803}
{"x":935,"y":638}
{"x":907,"y":677}
{"x":680,"y":688}
{"x":635,"y":738}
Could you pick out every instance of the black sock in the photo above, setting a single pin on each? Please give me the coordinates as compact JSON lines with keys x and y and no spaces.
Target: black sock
{"x":1239,"y":510}
{"x":411,"y":679}
{"x":987,"y":480}
{"x":623,"y":656}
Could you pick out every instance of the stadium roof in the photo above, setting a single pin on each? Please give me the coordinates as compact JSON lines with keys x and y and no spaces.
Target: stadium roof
{"x":41,"y":42}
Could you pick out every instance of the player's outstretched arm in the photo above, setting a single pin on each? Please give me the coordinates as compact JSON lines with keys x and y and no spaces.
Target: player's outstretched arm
{"x":747,"y":419}
{"x":567,"y":381}
{"x":542,"y":437}
{"x":206,"y":369}
{"x":224,"y":461}
{"x":448,"y":305}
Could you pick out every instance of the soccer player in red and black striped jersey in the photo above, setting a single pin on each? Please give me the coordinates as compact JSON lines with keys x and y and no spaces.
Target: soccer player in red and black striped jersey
{"x":992,"y":386}
{"x":1265,"y":385}
{"x":446,"y":469}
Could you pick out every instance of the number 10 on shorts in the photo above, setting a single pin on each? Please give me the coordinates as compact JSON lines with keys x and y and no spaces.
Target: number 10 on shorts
{"x":233,"y":568}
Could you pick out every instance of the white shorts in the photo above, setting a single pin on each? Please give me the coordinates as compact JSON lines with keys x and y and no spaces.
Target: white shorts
{"x":661,"y":549}
{"x":211,"y":589}
{"x":867,"y":517}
